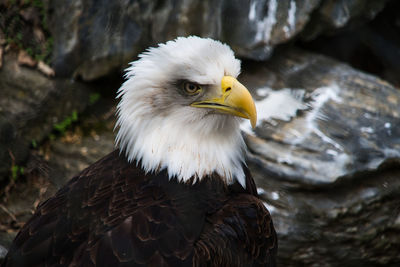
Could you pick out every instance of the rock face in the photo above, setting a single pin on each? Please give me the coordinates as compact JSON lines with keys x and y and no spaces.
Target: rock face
{"x":97,"y":37}
{"x":30,"y":105}
{"x":326,"y":156}
{"x":372,"y":47}
{"x":328,"y":120}
{"x":332,"y":15}
{"x":123,"y":29}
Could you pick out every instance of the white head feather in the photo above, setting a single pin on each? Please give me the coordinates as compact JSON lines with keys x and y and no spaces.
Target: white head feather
{"x":159,"y":130}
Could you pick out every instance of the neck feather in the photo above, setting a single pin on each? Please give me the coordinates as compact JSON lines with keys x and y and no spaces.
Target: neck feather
{"x":186,"y":148}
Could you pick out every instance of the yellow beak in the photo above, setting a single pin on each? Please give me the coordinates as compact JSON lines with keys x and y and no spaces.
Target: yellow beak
{"x":233,"y":98}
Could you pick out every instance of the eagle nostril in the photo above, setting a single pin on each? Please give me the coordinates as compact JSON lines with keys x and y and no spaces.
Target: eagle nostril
{"x":227,"y":89}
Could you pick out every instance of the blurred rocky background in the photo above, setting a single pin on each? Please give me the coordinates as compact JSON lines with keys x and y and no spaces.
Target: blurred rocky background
{"x":325,"y":75}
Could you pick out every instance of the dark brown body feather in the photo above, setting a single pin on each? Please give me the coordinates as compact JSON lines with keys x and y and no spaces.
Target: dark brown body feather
{"x":113,"y":214}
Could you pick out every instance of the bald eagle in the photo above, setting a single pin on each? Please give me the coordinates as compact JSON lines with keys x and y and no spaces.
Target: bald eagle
{"x":176,"y":191}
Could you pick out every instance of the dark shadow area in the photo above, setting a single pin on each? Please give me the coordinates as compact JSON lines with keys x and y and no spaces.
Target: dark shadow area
{"x":371,"y":47}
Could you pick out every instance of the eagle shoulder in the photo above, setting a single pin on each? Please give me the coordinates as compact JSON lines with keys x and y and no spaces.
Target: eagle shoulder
{"x":241,"y":233}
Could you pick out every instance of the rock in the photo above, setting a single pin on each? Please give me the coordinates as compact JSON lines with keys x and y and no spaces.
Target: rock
{"x":1,"y":56}
{"x":327,"y":160}
{"x":25,"y":59}
{"x":98,"y":37}
{"x":333,"y":15}
{"x":45,"y":69}
{"x":254,"y":28}
{"x":372,"y":47}
{"x":52,"y":165}
{"x":24,"y":27}
{"x":120,"y":30}
{"x":30,"y":105}
{"x":3,"y":252}
{"x":341,"y":121}
{"x":68,"y":159}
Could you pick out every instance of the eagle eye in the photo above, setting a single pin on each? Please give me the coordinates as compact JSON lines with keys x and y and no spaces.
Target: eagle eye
{"x":191,"y":88}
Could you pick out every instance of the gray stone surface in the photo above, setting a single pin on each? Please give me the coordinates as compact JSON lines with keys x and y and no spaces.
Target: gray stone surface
{"x":3,"y":252}
{"x":30,"y":105}
{"x":98,"y":37}
{"x":326,"y":158}
{"x":50,"y":166}
{"x":332,"y":15}
{"x":321,"y":121}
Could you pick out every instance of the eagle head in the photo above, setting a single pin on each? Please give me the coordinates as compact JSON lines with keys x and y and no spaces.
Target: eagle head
{"x":180,"y":109}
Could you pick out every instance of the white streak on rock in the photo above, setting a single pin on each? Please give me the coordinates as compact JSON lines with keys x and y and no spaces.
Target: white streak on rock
{"x":275,"y":195}
{"x":285,"y":157}
{"x":291,"y":20}
{"x":325,"y":93}
{"x":260,"y":191}
{"x":391,"y":153}
{"x":342,"y":160}
{"x":327,"y":139}
{"x":264,"y":27}
{"x":252,"y":12}
{"x":320,"y":96}
{"x":278,"y":104}
{"x":367,"y":116}
{"x":263,"y":91}
{"x":332,"y":152}
{"x":367,"y":130}
{"x":388,"y":128}
{"x":283,"y":104}
{"x":286,"y":30}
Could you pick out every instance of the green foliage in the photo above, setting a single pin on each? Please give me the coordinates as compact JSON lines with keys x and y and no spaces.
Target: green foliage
{"x":19,"y":32}
{"x":38,"y":3}
{"x":34,"y":143}
{"x":16,"y":171}
{"x":29,"y":51}
{"x":19,"y":36}
{"x":62,"y":126}
{"x":93,"y":98}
